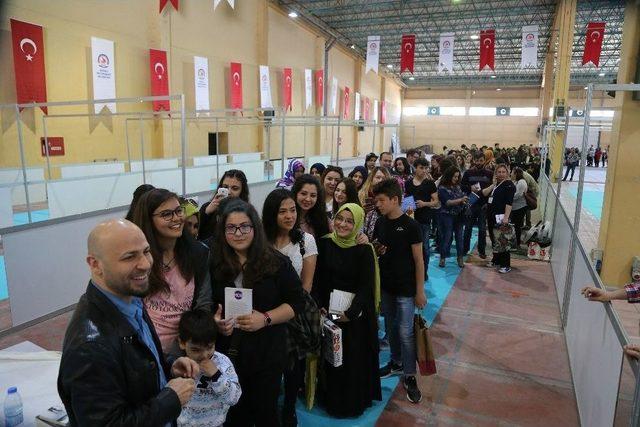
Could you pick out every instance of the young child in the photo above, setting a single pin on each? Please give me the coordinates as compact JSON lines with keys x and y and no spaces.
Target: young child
{"x":398,"y":242}
{"x":217,"y":388}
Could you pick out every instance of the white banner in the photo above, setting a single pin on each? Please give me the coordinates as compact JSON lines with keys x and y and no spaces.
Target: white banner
{"x":529,"y":47}
{"x":104,"y":73}
{"x":201,"y":81}
{"x":308,"y":89}
{"x":373,"y":53}
{"x":446,"y":52}
{"x":265,"y":88}
{"x":376,"y":119}
{"x":334,"y":95}
{"x":356,"y":114}
{"x":217,"y":2}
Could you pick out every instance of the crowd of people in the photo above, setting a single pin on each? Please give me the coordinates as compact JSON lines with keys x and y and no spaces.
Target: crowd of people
{"x":152,"y":341}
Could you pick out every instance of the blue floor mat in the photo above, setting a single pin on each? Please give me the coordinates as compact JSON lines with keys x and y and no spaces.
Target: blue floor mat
{"x":4,"y":291}
{"x":592,"y":201}
{"x":36,"y":216}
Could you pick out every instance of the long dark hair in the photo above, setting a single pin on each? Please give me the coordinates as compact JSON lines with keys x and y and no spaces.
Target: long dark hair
{"x":240,"y":176}
{"x":447,"y":176}
{"x":262,"y":259}
{"x":352,"y":193}
{"x":317,"y":216}
{"x":405,"y":163}
{"x":270,"y":211}
{"x":184,"y":254}
{"x":136,"y":196}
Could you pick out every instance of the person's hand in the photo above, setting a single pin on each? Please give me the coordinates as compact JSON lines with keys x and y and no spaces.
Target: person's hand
{"x":184,"y":388}
{"x":421,"y":203}
{"x":323,"y":311}
{"x":505,"y":220}
{"x":362,"y":238}
{"x":225,"y":327}
{"x":185,"y":367}
{"x":409,"y":211}
{"x":465,"y":199}
{"x":342,"y":318}
{"x":251,"y":322}
{"x":208,"y":367}
{"x":421,"y":300}
{"x":632,"y":350}
{"x":214,"y":204}
{"x":595,"y":294}
{"x":380,"y":248}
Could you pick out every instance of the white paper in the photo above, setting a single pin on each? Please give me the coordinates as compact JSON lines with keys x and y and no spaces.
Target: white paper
{"x":104,"y":74}
{"x":373,"y":53}
{"x":201,"y":81}
{"x":308,"y":88}
{"x":446,"y":52}
{"x":265,"y":88}
{"x":237,"y":302}
{"x":356,"y":114}
{"x":529,"y":46}
{"x":334,"y":95}
{"x":340,"y":301}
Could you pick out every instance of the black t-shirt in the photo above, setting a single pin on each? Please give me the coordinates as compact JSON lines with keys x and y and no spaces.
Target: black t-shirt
{"x":397,"y":268}
{"x":502,"y":196}
{"x":421,"y":192}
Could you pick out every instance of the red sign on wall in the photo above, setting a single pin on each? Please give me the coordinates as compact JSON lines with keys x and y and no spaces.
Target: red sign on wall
{"x":56,"y":146}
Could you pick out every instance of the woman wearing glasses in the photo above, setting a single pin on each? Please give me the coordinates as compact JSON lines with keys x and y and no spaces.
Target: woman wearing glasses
{"x":235,"y":182}
{"x":179,"y":280}
{"x":243,"y":258}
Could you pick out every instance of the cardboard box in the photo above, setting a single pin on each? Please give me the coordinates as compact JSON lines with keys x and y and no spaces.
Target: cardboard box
{"x":332,"y":343}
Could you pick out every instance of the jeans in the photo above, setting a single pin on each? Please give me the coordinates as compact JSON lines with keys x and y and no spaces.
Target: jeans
{"x":478,"y":217}
{"x":572,"y":169}
{"x":398,"y":318}
{"x":450,"y":225}
{"x":426,"y":250}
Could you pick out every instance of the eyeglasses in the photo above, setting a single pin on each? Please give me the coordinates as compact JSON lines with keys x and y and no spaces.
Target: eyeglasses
{"x":168,"y":215}
{"x":233,"y":229}
{"x":340,"y":219}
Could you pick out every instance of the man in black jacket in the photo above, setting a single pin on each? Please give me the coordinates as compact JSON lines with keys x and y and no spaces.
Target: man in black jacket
{"x":112,"y":370}
{"x":475,"y":179}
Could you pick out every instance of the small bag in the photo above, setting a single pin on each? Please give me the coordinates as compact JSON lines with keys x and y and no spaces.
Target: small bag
{"x":424,"y":348}
{"x":504,"y":238}
{"x":537,"y":252}
{"x":532,"y":200}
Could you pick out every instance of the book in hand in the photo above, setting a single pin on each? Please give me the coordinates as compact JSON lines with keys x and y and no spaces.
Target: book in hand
{"x":340,"y":301}
{"x":237,"y":302}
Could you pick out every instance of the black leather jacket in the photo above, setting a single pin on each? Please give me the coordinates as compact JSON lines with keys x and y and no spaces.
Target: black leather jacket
{"x":108,"y":376}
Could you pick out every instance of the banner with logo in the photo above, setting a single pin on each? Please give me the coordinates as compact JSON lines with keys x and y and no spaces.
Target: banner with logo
{"x":235,"y":81}
{"x":201,"y":70}
{"x":163,"y":3}
{"x":319,"y":87}
{"x":487,"y":48}
{"x":308,"y":89}
{"x":265,"y":88}
{"x":159,"y":78}
{"x":217,"y":2}
{"x":334,"y":95}
{"x":28,"y":62}
{"x":287,"y":85}
{"x":346,"y":105}
{"x":529,"y":46}
{"x":375,"y":111}
{"x":356,"y":102}
{"x":104,"y":75}
{"x":446,"y":52}
{"x":373,"y":54}
{"x":593,"y":43}
{"x":408,"y":48}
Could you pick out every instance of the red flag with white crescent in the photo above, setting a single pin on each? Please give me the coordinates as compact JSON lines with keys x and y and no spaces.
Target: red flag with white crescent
{"x":286,"y":75}
{"x":408,"y":48}
{"x":319,"y":87}
{"x":28,"y":62}
{"x":487,"y":48}
{"x":346,"y":105}
{"x":383,"y":112}
{"x":593,"y":43}
{"x":235,"y":80}
{"x":159,"y":78}
{"x":163,"y":3}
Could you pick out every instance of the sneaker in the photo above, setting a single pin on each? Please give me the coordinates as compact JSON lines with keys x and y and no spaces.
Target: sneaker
{"x":504,"y":270}
{"x":490,"y":264}
{"x":413,"y":392}
{"x":390,"y":369}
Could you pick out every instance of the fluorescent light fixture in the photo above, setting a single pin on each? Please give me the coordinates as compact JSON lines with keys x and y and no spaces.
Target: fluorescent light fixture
{"x":474,"y":37}
{"x":494,"y":76}
{"x":353,"y":46}
{"x":412,"y":78}
{"x":389,"y":65}
{"x":293,"y":14}
{"x":601,"y":74}
{"x":498,"y":89}
{"x":585,"y":88}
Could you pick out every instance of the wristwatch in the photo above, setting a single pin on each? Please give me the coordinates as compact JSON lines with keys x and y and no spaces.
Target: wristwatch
{"x":267,"y":318}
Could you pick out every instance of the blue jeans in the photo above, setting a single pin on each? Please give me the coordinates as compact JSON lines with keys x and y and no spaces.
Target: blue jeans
{"x":426,"y":250}
{"x":450,"y":226}
{"x":479,"y":217}
{"x":398,"y":318}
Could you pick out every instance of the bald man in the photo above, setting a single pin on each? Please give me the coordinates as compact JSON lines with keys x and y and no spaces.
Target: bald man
{"x":112,"y":370}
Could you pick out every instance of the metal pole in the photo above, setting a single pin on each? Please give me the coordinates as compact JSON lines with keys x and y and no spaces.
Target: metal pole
{"x":144,"y":172}
{"x":304,"y":142}
{"x":24,"y":163}
{"x":217,"y":152}
{"x":338,"y":142}
{"x":564,"y":143}
{"x":183,"y":139}
{"x":373,"y":141}
{"x":635,"y":414}
{"x":576,"y":217}
{"x":282,"y":136}
{"x":46,"y":146}
{"x":413,"y":138}
{"x":126,"y":141}
{"x":268,"y":129}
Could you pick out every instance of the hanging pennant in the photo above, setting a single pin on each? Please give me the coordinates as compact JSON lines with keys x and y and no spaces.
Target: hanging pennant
{"x":163,"y":3}
{"x":28,"y":63}
{"x":593,"y":43}
{"x":104,"y":75}
{"x":446,"y":52}
{"x":159,"y":78}
{"x":487,"y":48}
{"x":265,"y":88}
{"x":308,"y":89}
{"x":235,"y":81}
{"x":201,"y":82}
{"x":346,"y":106}
{"x":356,"y":104}
{"x":373,"y":53}
{"x":217,"y":2}
{"x":529,"y":46}
{"x":334,"y":95}
{"x":407,"y":52}
{"x":319,"y":87}
{"x":287,"y":86}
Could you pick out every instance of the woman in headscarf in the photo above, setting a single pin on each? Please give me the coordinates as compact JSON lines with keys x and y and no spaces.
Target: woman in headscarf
{"x":345,"y":265}
{"x":295,"y":169}
{"x":317,"y":169}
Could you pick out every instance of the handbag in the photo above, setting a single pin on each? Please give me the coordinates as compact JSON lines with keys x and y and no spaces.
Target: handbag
{"x":531,"y":199}
{"x":424,"y":348}
{"x":504,"y":238}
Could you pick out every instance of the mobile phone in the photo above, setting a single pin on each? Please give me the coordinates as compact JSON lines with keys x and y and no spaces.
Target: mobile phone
{"x":222,"y":191}
{"x":333,"y":316}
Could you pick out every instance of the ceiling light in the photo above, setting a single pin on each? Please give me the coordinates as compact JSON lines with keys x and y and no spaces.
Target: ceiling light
{"x":474,"y":37}
{"x":389,"y":65}
{"x":585,"y":88}
{"x":353,"y":46}
{"x":412,"y":78}
{"x":498,"y":89}
{"x":293,"y":14}
{"x":493,"y":77}
{"x":601,"y":74}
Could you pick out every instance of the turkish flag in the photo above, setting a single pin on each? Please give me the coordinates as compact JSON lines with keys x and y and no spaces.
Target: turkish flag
{"x":346,"y":104}
{"x":487,"y":48}
{"x":319,"y":87}
{"x":163,"y":3}
{"x":286,"y":76}
{"x":159,"y":78}
{"x":28,"y":63}
{"x":235,"y":80}
{"x":593,"y":43}
{"x":365,"y":109}
{"x":407,"y":50}
{"x":383,"y":112}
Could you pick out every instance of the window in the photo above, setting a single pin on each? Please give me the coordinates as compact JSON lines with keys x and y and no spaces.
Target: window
{"x":602,"y":113}
{"x":482,"y":111}
{"x":524,"y":111}
{"x":414,"y":111}
{"x":453,"y":111}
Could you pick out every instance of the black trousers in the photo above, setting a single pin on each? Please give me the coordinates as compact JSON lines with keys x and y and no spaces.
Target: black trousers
{"x":572,"y":169}
{"x":258,"y":405}
{"x":293,"y":380}
{"x":517,"y":217}
{"x":502,"y":259}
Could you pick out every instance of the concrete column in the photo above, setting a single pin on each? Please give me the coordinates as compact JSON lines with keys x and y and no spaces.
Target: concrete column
{"x":619,"y":233}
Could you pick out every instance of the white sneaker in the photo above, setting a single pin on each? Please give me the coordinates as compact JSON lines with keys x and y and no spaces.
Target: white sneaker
{"x":504,"y":270}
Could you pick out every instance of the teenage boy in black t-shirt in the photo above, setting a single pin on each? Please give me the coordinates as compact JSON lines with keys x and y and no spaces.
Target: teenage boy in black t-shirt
{"x":398,"y":242}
